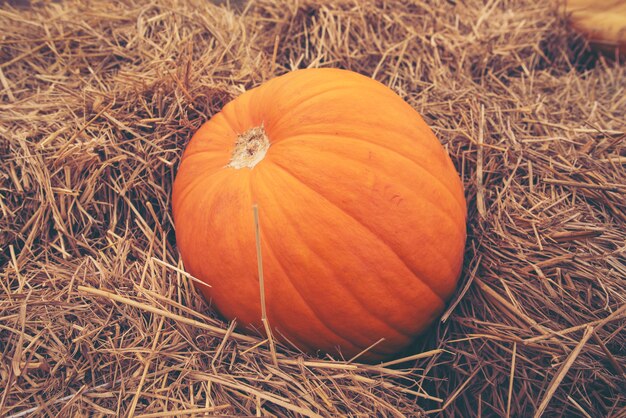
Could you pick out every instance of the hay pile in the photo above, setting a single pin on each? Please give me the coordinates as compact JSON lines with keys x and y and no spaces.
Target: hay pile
{"x":97,"y":102}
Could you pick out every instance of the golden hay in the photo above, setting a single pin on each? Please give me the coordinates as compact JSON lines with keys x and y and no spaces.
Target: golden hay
{"x":97,"y":101}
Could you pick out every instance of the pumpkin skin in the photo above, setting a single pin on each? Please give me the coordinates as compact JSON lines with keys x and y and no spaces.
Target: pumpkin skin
{"x":362,"y":214}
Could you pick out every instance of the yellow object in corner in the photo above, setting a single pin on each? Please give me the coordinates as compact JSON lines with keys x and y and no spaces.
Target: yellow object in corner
{"x":602,"y":22}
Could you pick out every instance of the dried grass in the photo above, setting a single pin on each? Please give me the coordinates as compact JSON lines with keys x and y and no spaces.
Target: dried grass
{"x":97,"y":317}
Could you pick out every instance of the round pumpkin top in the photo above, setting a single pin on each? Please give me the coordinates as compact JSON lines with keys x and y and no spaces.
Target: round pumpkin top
{"x":362,"y":213}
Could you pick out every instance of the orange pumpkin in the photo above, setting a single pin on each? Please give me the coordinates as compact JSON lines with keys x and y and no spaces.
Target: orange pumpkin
{"x":362,"y":213}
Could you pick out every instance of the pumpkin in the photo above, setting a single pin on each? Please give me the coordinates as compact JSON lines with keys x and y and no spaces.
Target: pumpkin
{"x":362,"y":213}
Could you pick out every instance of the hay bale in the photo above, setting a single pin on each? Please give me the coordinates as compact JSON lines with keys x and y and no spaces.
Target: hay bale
{"x":97,"y":101}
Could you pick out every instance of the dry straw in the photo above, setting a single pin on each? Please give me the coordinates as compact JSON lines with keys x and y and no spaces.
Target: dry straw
{"x":97,"y":102}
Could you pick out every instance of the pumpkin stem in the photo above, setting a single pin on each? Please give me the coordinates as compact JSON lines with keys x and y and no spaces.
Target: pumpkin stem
{"x":250,"y":148}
